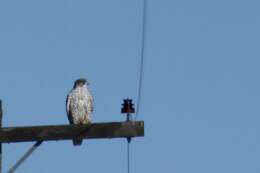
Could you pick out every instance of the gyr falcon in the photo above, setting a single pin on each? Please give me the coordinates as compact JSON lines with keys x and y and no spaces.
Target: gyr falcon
{"x":79,"y":106}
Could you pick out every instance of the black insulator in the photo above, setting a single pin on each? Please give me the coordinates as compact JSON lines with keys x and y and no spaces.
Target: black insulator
{"x":128,"y":106}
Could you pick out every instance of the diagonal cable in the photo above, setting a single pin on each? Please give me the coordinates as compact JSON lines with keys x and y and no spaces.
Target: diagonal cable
{"x":25,"y":156}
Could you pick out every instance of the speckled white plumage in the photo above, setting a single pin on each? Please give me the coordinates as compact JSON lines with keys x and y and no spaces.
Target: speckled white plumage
{"x":80,"y":105}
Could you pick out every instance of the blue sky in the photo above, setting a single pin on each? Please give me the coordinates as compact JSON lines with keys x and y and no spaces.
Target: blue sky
{"x":201,"y":90}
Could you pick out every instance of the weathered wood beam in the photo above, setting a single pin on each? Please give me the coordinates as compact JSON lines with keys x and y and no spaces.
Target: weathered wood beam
{"x":67,"y":132}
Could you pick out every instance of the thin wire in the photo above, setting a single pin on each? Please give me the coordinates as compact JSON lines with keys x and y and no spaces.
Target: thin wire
{"x":128,"y":156}
{"x":25,"y":156}
{"x":141,"y":75}
{"x":128,"y":145}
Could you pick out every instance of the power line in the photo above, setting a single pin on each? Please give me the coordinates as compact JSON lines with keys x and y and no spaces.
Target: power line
{"x":128,"y":155}
{"x":25,"y":156}
{"x":141,"y":74}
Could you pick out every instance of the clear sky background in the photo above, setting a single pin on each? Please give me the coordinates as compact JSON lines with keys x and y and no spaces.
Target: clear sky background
{"x":201,"y":81}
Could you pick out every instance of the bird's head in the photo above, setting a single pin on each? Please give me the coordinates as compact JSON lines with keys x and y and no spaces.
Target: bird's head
{"x":80,"y":82}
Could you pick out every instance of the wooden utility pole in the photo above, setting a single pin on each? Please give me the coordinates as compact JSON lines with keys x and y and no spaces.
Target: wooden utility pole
{"x":1,"y":116}
{"x":127,"y":129}
{"x":68,"y":132}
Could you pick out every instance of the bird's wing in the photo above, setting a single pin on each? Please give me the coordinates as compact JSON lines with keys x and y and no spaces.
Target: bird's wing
{"x":68,"y":109}
{"x":91,"y":103}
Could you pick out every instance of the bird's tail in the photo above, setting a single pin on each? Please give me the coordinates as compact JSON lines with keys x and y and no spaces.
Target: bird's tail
{"x":77,"y":141}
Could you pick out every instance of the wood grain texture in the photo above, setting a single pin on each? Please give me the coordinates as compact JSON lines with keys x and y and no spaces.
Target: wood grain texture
{"x":67,"y":132}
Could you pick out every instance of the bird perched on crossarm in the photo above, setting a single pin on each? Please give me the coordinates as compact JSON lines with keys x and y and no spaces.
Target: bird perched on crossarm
{"x":79,"y":106}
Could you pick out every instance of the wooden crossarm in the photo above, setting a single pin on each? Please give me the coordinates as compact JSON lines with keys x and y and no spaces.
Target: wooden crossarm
{"x":67,"y":132}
